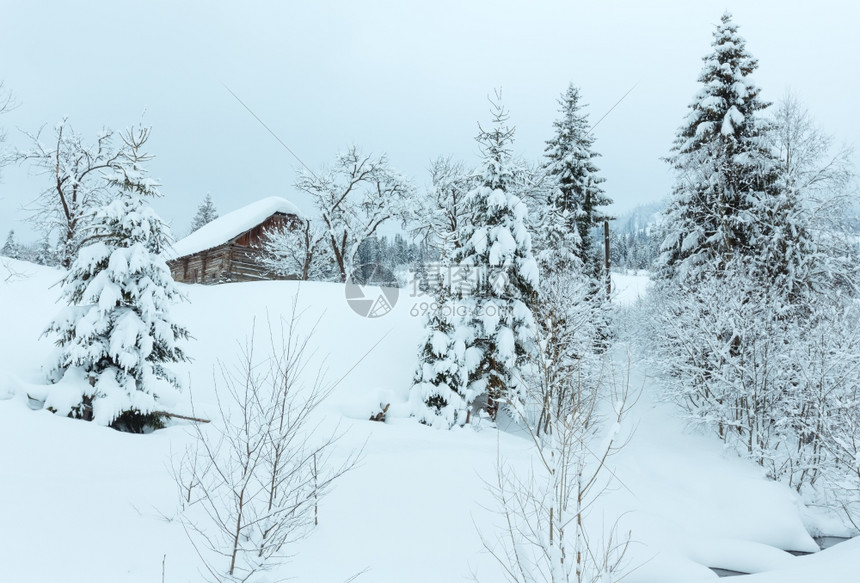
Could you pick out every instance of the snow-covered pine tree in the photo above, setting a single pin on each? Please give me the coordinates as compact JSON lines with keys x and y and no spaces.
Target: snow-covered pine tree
{"x":575,"y":196}
{"x":758,"y":280}
{"x":206,"y":213}
{"x":723,"y":166}
{"x":116,"y":334}
{"x":496,"y":246}
{"x":11,"y":248}
{"x":437,"y":396}
{"x":571,"y":209}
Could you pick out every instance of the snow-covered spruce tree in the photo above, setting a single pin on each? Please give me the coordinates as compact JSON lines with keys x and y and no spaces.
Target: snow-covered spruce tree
{"x":11,"y":248}
{"x":572,"y":313}
{"x":755,"y":282}
{"x":575,"y":196}
{"x":116,"y":334}
{"x":206,"y":213}
{"x":496,"y":247}
{"x":437,"y":396}
{"x":725,"y":174}
{"x":724,"y":168}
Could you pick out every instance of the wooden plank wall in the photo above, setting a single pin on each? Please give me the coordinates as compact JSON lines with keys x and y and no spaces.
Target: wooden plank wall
{"x":204,"y":267}
{"x":234,"y":260}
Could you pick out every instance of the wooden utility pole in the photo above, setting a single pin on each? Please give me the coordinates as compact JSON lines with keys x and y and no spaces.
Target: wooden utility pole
{"x":606,"y":259}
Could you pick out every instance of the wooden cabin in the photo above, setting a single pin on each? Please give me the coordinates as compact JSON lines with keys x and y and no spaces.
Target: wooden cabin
{"x":226,"y":249}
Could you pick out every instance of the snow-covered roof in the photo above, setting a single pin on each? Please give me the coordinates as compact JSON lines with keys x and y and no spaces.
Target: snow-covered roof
{"x":230,"y":226}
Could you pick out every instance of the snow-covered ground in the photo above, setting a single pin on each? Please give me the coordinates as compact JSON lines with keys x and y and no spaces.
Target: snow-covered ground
{"x":85,"y":503}
{"x":629,"y":286}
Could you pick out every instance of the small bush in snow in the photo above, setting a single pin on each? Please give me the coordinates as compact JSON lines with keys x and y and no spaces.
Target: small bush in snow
{"x":250,"y":487}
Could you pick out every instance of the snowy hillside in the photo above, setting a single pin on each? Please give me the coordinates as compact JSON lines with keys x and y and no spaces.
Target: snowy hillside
{"x":83,"y":503}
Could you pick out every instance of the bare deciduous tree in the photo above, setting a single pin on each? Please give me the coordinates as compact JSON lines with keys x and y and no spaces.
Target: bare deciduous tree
{"x":353,"y":200}
{"x":250,"y":488}
{"x":807,"y":159}
{"x":441,"y":213}
{"x":7,"y":103}
{"x":549,"y":533}
{"x":79,"y":177}
{"x":298,"y":250}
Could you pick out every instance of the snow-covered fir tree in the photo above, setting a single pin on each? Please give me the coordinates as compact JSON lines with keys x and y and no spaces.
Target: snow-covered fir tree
{"x":724,"y":167}
{"x":756,"y":280}
{"x":572,"y":208}
{"x":206,"y":213}
{"x":11,"y":248}
{"x":438,"y":394}
{"x":575,"y":195}
{"x":496,"y":255}
{"x":116,"y":335}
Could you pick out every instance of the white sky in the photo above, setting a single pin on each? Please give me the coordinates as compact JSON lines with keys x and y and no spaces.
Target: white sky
{"x":406,"y":78}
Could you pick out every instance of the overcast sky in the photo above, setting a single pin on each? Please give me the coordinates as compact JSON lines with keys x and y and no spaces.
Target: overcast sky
{"x":409,"y":79}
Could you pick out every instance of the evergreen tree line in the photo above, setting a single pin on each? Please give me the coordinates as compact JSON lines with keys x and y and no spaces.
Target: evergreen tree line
{"x":633,"y":238}
{"x":397,"y":256}
{"x":41,"y":253}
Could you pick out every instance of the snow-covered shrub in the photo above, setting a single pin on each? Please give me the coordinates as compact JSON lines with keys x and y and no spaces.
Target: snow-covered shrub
{"x":569,"y":318}
{"x":779,"y":386}
{"x":551,"y":529}
{"x":298,"y":251}
{"x":252,"y":483}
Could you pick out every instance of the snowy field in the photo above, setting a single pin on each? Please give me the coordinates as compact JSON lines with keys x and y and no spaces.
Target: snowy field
{"x":82,"y":503}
